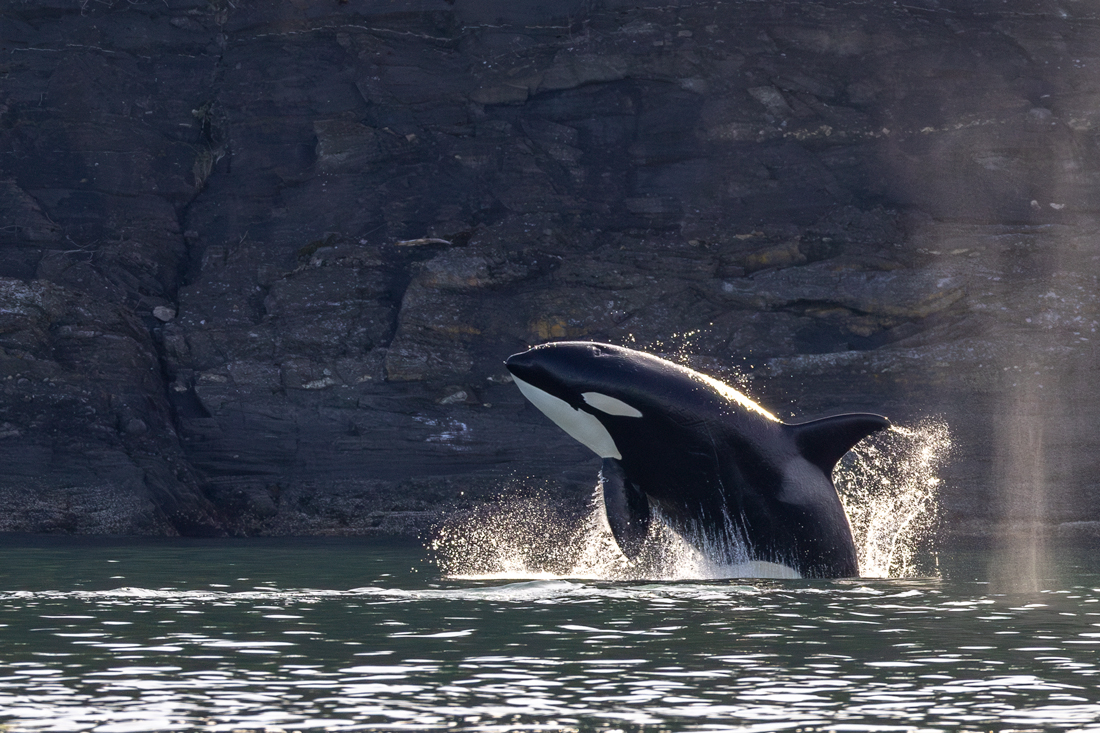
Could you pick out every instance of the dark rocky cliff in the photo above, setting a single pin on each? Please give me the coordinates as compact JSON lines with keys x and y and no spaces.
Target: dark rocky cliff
{"x":260,"y":261}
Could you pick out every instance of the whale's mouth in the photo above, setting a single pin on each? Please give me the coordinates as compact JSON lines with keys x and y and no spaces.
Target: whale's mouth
{"x":535,"y":379}
{"x":517,"y":361}
{"x":524,"y":367}
{"x":580,"y":425}
{"x":554,"y":366}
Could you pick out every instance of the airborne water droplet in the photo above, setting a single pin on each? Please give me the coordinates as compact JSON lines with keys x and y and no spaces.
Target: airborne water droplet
{"x":888,"y":485}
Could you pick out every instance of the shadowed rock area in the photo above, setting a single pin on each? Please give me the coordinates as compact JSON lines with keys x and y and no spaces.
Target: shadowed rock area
{"x":261,"y":262}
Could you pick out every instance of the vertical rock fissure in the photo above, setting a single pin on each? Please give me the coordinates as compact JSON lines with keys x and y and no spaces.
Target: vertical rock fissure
{"x":212,"y":154}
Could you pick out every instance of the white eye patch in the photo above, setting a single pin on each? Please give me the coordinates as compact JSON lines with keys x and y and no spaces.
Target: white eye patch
{"x":579,"y":425}
{"x":610,"y":405}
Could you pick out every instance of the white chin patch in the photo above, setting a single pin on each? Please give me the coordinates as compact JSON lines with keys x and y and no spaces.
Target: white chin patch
{"x":610,"y":405}
{"x":580,"y":425}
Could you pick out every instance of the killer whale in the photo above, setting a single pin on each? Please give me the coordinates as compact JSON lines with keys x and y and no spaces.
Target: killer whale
{"x":712,"y":461}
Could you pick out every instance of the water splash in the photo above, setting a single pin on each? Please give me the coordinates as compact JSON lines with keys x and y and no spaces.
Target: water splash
{"x":888,"y":486}
{"x":531,"y":538}
{"x":890,"y":490}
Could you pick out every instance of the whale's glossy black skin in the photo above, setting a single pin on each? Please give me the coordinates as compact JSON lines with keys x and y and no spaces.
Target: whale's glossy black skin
{"x":710,"y":459}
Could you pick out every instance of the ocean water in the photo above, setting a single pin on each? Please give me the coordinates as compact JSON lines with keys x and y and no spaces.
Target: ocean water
{"x":282,"y":635}
{"x":516,"y":617}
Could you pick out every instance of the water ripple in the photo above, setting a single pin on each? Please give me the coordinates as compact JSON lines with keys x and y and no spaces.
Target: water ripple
{"x":416,"y":653}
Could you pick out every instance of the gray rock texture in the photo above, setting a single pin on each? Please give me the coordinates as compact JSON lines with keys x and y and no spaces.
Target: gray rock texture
{"x":260,"y":261}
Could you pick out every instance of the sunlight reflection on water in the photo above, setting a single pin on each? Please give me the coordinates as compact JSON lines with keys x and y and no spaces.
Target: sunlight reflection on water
{"x":392,"y":649}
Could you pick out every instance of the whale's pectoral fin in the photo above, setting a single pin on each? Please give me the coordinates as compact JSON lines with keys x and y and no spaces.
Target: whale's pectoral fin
{"x":823,"y":442}
{"x":627,"y":508}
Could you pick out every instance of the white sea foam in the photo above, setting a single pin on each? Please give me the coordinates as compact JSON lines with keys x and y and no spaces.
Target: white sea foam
{"x":888,"y":485}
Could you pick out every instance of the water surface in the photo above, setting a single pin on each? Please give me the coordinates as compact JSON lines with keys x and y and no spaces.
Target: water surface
{"x":355,"y":634}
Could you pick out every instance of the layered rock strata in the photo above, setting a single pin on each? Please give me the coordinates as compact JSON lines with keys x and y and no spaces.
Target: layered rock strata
{"x":260,"y":262}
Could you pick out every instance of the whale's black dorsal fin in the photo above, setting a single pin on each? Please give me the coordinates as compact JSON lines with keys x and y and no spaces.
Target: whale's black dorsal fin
{"x":627,"y":508}
{"x":823,"y":442}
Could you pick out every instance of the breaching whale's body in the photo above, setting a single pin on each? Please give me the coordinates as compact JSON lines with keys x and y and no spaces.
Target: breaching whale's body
{"x":717,"y":465}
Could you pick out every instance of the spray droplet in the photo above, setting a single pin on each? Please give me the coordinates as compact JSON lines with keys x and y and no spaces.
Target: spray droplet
{"x":890,"y":491}
{"x":888,"y":485}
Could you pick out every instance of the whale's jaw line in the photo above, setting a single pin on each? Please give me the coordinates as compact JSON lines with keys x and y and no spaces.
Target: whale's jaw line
{"x":580,"y":425}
